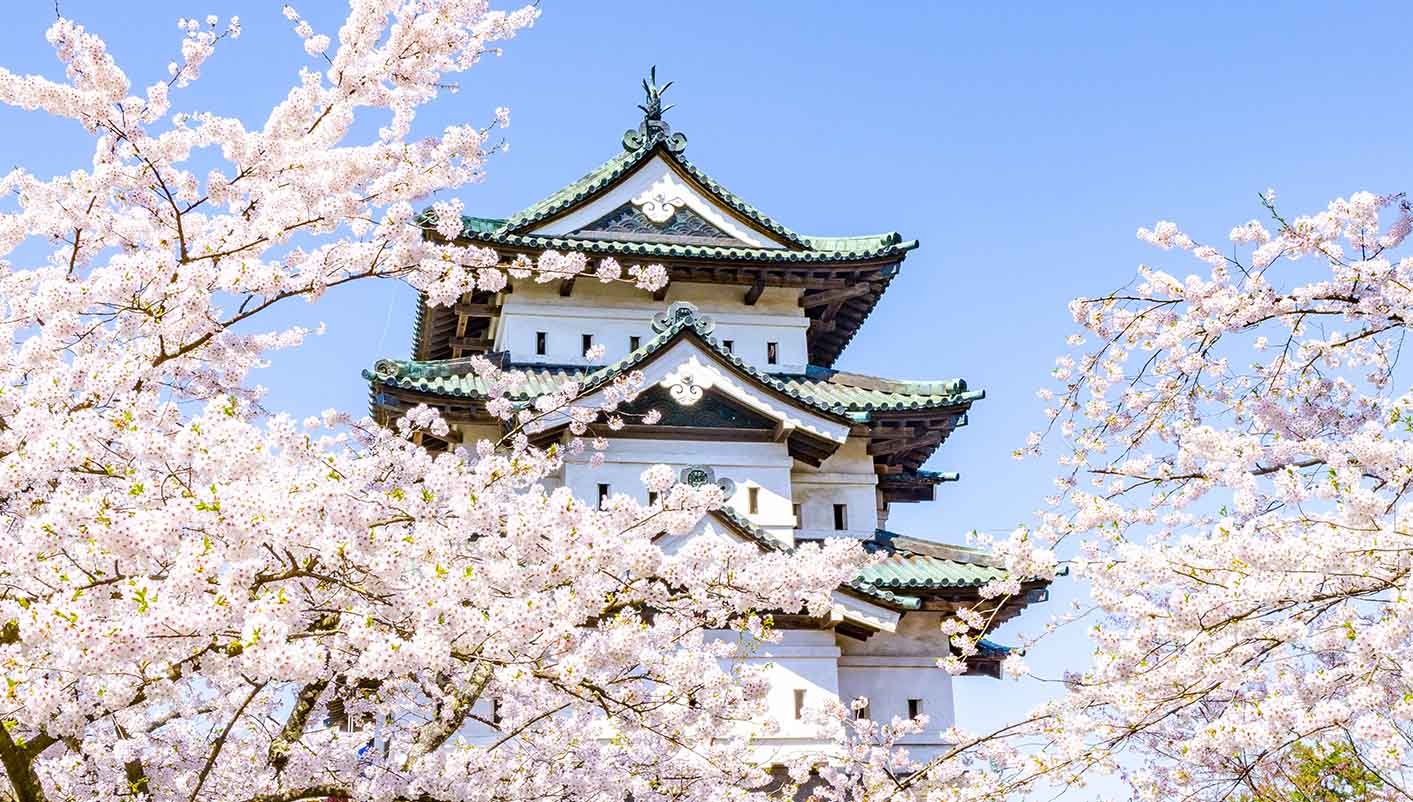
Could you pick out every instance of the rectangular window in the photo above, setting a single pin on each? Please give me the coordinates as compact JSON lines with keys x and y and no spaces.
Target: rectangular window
{"x":799,"y":516}
{"x":652,"y":496}
{"x":729,"y":345}
{"x":772,"y":353}
{"x":635,"y":342}
{"x":799,"y":703}
{"x":541,"y":342}
{"x":495,"y":712}
{"x":603,"y":494}
{"x":753,"y":500}
{"x":588,"y":342}
{"x":841,"y":516}
{"x":914,"y":708}
{"x":862,"y":713}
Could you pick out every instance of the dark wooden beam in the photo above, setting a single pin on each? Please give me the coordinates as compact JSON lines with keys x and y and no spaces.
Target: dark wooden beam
{"x":566,"y":287}
{"x":794,"y":280}
{"x":835,"y":296}
{"x":754,"y":293}
{"x":820,"y":326}
{"x":883,"y":447}
{"x":475,"y":310}
{"x":480,"y":343}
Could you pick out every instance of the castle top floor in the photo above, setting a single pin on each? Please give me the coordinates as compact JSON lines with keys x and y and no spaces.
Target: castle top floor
{"x":763,"y":282}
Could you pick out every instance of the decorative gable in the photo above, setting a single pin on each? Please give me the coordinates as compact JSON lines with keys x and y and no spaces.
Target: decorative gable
{"x":652,"y":222}
{"x":715,"y":411}
{"x":658,"y":185}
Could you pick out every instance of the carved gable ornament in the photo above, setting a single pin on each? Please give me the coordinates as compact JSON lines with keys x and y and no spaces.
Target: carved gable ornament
{"x":688,"y":383}
{"x":662,"y":199}
{"x":703,"y":475}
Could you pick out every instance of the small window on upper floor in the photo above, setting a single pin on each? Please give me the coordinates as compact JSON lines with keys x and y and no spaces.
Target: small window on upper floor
{"x":841,"y":516}
{"x":635,"y":342}
{"x":541,"y":342}
{"x":603,"y":494}
{"x":914,"y":708}
{"x":799,"y":515}
{"x":753,"y":500}
{"x":772,"y":353}
{"x":799,"y":703}
{"x":861,"y":713}
{"x":729,"y":345}
{"x":652,"y":497}
{"x":587,"y":340}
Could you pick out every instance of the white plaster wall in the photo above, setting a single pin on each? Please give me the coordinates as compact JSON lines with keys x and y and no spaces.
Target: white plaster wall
{"x":762,"y":465}
{"x":614,"y":313}
{"x":888,"y":682}
{"x":917,"y":634}
{"x":848,"y":478}
{"x":802,"y":660}
{"x":892,"y":667}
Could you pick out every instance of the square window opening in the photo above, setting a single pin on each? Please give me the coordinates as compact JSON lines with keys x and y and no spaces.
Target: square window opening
{"x":841,"y":517}
{"x":772,"y":353}
{"x":541,"y":342}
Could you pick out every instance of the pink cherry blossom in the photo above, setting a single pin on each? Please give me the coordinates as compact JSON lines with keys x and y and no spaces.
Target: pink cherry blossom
{"x":204,"y":600}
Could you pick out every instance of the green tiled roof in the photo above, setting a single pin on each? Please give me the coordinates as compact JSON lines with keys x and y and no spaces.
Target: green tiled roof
{"x":886,"y":596}
{"x":739,"y":205}
{"x":576,"y":191}
{"x":803,"y":248}
{"x":911,"y":565}
{"x":991,"y":650}
{"x":850,"y":248}
{"x":750,"y":530}
{"x":839,"y":394}
{"x":858,"y":584}
{"x":860,"y":393}
{"x":623,"y":163}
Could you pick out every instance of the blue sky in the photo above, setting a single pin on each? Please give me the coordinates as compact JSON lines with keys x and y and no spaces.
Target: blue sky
{"x":1022,"y":145}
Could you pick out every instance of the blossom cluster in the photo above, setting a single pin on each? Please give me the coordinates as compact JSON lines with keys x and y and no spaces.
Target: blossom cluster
{"x":1236,"y":463}
{"x":201,"y":600}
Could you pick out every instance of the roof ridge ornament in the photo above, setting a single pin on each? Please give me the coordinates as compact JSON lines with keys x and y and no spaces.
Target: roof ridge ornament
{"x":683,"y":313}
{"x":653,"y":129}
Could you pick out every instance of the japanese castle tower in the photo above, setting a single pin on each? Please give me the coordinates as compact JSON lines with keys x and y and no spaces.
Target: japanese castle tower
{"x":737,"y":354}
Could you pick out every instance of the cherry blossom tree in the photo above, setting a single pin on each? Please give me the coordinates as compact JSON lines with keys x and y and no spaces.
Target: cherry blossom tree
{"x":1237,"y":464}
{"x":203,"y":600}
{"x":1235,"y":492}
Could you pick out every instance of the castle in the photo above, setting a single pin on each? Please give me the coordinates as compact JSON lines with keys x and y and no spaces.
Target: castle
{"x":737,"y":353}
